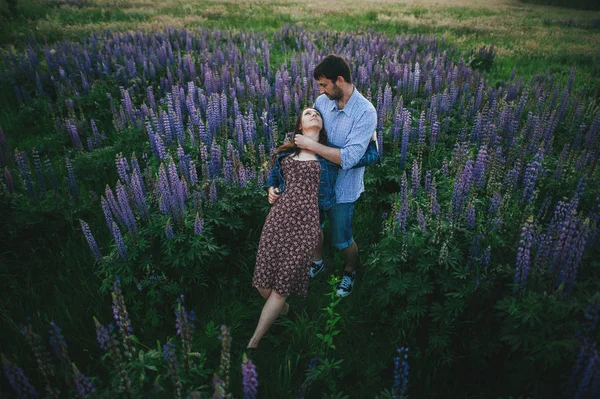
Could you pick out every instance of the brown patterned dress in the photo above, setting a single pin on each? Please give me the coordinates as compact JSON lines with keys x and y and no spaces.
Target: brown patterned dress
{"x":291,"y":231}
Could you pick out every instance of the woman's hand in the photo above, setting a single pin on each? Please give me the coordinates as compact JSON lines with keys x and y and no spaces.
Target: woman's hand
{"x":273,"y":194}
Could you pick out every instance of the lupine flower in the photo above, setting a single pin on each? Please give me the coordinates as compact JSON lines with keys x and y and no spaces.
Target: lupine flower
{"x":184,"y":322}
{"x":213,"y":192}
{"x":171,"y":358}
{"x":108,"y":342}
{"x":90,"y":239}
{"x":530,"y":177}
{"x":198,"y":225}
{"x":82,"y":383}
{"x":43,"y":359}
{"x":18,"y":380}
{"x":461,"y":188}
{"x":416,"y":177}
{"x":405,"y":138}
{"x":249,"y":378}
{"x":401,"y":370}
{"x":58,"y":344}
{"x":122,"y":317}
{"x":74,"y":134}
{"x":524,"y":255}
{"x":471,"y":217}
{"x":421,"y":220}
{"x":116,"y":232}
{"x":21,"y":159}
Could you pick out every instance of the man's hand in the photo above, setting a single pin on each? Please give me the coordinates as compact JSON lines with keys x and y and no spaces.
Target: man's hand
{"x":304,"y":142}
{"x":273,"y":194}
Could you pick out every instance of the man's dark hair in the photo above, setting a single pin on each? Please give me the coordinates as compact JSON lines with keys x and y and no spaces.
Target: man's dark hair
{"x":331,"y":67}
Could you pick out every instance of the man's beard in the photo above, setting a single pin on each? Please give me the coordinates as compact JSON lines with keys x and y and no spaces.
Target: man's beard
{"x":336,"y":93}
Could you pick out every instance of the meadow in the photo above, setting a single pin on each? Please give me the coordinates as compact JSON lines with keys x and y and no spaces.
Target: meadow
{"x":135,"y":137}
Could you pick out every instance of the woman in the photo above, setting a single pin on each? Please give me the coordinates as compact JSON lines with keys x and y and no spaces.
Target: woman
{"x":291,"y":231}
{"x":305,"y":182}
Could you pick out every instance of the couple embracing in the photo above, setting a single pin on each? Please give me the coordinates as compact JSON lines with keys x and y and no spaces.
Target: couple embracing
{"x":317,"y":175}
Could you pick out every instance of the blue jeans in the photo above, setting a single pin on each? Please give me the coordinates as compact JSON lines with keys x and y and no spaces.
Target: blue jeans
{"x":340,"y":220}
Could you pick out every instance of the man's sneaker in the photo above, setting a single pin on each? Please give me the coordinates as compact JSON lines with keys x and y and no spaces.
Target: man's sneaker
{"x":344,"y":288}
{"x":316,"y":269}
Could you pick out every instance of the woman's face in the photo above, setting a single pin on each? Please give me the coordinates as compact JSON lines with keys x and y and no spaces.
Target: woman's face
{"x":311,"y":118}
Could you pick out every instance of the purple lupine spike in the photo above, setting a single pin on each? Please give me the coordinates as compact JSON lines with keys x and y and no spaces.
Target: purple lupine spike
{"x":530,"y":177}
{"x":401,"y":371}
{"x":415,"y":177}
{"x":163,"y":192}
{"x":524,"y":255}
{"x":122,"y":168}
{"x":213,"y":192}
{"x":461,"y":189}
{"x":471,"y":217}
{"x":405,"y":138}
{"x":21,"y":159}
{"x":421,"y":220}
{"x":198,"y":225}
{"x":421,"y":130}
{"x":74,"y":134}
{"x":427,"y":184}
{"x":108,"y":342}
{"x":480,"y":167}
{"x":184,"y":322}
{"x":435,"y":130}
{"x":402,"y":214}
{"x":193,"y":173}
{"x":125,"y":208}
{"x":138,"y":194}
{"x":228,"y":172}
{"x":171,"y":358}
{"x":18,"y":380}
{"x":121,"y":317}
{"x":495,"y":204}
{"x":90,"y":239}
{"x":58,"y":344}
{"x":249,"y":378}
{"x":42,"y":357}
{"x":83,"y":385}
{"x":116,"y":232}
{"x":242,"y":178}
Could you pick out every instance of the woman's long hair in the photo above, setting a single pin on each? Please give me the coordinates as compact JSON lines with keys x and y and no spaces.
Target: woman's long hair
{"x":291,"y":145}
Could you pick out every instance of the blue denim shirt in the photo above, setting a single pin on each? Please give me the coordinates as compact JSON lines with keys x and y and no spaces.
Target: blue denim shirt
{"x":329,"y":172}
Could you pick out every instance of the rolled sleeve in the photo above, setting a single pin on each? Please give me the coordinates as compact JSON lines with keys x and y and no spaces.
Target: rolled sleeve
{"x":358,"y":139}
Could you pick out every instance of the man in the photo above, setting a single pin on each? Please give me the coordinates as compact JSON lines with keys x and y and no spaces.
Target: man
{"x":350,"y":120}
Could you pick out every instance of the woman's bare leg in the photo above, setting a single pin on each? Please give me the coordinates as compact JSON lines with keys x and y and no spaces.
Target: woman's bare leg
{"x":274,"y":306}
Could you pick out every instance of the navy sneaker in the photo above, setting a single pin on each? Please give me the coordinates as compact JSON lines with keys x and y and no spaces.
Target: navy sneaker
{"x":316,"y":269}
{"x":344,"y":288}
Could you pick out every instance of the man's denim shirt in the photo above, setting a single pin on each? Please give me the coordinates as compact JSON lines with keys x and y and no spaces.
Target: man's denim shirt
{"x":329,"y":172}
